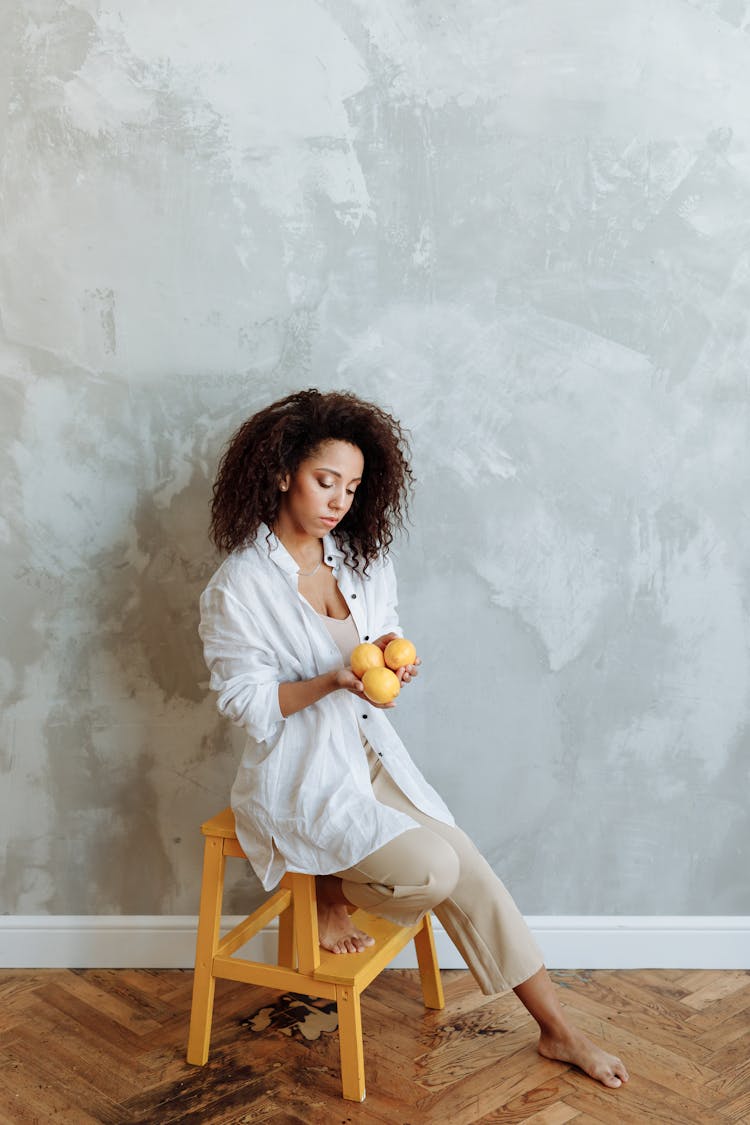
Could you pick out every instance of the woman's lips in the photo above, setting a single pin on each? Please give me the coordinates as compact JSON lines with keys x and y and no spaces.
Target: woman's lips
{"x":329,"y":521}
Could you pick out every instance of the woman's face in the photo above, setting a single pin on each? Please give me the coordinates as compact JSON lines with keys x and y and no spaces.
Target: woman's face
{"x":320,"y":493}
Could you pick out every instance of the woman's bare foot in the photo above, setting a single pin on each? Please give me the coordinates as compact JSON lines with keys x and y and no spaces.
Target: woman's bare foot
{"x":336,"y":931}
{"x":573,"y":1047}
{"x":559,"y":1040}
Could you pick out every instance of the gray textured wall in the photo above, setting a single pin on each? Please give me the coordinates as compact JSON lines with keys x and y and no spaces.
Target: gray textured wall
{"x":524,"y":227}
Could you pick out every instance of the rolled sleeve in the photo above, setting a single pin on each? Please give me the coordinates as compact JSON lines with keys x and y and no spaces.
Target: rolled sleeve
{"x":244,"y":672}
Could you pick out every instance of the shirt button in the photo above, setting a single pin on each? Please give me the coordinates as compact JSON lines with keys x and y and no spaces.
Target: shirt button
{"x":330,"y":558}
{"x":367,"y":638}
{"x":353,"y":596}
{"x":364,"y":716}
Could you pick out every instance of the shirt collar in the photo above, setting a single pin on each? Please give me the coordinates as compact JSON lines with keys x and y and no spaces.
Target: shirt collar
{"x":277,"y":552}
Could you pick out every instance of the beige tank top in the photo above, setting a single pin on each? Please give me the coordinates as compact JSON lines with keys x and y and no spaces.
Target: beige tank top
{"x":343,"y":634}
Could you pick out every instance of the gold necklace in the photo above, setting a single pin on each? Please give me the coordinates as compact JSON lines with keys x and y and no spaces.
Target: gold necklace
{"x":315,"y":569}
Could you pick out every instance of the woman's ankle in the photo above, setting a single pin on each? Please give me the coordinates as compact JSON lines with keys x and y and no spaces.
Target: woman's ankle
{"x":328,"y":891}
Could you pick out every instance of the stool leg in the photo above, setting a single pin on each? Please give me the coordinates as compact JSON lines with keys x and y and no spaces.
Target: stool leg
{"x":350,"y":1044}
{"x":305,"y":922}
{"x":209,"y":922}
{"x":429,"y":970}
{"x":286,"y":938}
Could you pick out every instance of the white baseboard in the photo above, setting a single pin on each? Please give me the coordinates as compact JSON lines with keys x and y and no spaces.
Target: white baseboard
{"x":572,"y":942}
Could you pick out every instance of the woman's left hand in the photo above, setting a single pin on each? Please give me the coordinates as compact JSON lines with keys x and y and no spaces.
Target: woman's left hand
{"x":384,"y":641}
{"x":409,"y":671}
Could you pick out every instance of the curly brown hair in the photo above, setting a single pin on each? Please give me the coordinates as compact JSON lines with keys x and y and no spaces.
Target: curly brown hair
{"x":274,"y":442}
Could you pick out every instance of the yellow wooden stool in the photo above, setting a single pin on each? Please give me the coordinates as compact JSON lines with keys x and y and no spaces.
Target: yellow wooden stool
{"x":302,"y":965}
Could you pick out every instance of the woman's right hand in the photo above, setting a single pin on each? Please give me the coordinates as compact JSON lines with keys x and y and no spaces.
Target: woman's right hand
{"x":345,"y":678}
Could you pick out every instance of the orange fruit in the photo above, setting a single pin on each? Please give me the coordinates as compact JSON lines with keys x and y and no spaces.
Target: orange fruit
{"x":381,"y":685}
{"x":366,"y":656}
{"x":399,"y":652}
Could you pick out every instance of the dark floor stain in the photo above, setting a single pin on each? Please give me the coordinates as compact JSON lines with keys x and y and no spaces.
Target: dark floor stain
{"x":309,"y":1016}
{"x":205,"y":1093}
{"x":467,"y":1027}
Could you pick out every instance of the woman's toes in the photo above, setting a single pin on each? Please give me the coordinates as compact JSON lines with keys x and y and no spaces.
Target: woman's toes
{"x":613,"y":1074}
{"x":336,"y":933}
{"x":618,"y":1073}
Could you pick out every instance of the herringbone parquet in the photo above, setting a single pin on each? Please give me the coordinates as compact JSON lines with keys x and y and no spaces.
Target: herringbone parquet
{"x":108,"y":1046}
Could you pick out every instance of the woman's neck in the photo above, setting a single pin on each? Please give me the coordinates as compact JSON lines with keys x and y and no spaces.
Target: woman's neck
{"x":306,"y":550}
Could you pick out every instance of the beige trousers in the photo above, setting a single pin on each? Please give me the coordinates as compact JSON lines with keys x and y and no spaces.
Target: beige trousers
{"x":437,"y":867}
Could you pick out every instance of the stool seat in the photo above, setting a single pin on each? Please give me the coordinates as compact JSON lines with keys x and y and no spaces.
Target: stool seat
{"x":302,"y":966}
{"x":220,"y":825}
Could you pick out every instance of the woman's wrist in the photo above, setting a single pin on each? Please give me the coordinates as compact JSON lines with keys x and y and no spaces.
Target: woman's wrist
{"x":295,"y":695}
{"x":332,"y":681}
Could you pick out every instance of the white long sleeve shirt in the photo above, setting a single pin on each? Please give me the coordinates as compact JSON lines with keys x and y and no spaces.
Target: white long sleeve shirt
{"x":302,"y":797}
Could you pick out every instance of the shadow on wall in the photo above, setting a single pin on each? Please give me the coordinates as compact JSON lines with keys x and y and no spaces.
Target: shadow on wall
{"x":163,"y":623}
{"x":122,"y":736}
{"x":178,"y":563}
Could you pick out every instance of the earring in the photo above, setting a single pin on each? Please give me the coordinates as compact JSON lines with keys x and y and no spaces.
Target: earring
{"x":283,"y":487}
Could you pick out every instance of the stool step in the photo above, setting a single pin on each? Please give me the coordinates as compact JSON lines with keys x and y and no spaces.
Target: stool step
{"x":358,"y":969}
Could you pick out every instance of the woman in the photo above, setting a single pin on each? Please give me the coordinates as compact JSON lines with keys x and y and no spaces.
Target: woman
{"x":307,"y":499}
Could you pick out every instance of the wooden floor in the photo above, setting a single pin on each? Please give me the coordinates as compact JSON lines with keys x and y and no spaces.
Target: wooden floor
{"x":108,"y":1046}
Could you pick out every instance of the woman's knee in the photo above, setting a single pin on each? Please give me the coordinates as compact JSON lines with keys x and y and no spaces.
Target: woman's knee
{"x":441,"y":873}
{"x":410,"y":875}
